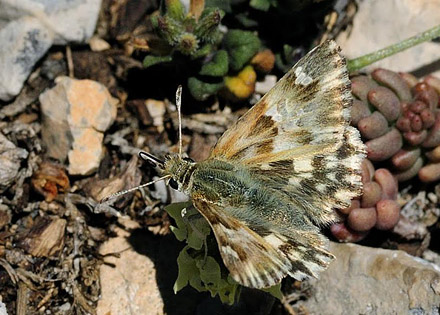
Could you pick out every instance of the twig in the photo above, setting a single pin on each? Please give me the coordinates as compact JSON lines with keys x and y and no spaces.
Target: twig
{"x":22,"y":299}
{"x":70,"y":61}
{"x":11,"y":272}
{"x":287,"y":307}
{"x":363,"y":61}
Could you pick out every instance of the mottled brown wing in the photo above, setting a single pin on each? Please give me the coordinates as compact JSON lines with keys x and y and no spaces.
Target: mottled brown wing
{"x":298,"y":134}
{"x":305,"y":113}
{"x":261,"y":259}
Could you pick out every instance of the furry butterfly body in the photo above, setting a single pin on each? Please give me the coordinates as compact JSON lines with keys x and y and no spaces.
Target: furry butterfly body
{"x":276,"y":176}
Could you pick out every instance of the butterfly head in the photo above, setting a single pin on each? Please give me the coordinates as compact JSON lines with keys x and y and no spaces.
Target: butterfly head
{"x":175,"y":169}
{"x":179,"y":170}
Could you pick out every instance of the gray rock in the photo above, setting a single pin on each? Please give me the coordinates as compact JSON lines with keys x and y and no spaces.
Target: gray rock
{"x":10,"y":159}
{"x":29,"y":28}
{"x":3,"y":310}
{"x":70,"y":21}
{"x":365,"y":280}
{"x":378,"y":24}
{"x":22,"y":43}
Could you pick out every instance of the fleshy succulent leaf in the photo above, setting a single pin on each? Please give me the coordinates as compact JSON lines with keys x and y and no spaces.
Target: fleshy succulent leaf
{"x":218,"y":66}
{"x":151,"y":60}
{"x":201,"y":90}
{"x":262,"y":5}
{"x":241,"y":46}
{"x":175,"y":9}
{"x":207,"y":27}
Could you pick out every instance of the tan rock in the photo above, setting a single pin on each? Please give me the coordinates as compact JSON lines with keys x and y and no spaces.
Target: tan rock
{"x":86,"y":152}
{"x":75,"y":115}
{"x":156,"y":110}
{"x":129,"y":286}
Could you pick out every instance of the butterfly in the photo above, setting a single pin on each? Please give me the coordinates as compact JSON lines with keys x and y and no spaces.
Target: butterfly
{"x":274,"y":177}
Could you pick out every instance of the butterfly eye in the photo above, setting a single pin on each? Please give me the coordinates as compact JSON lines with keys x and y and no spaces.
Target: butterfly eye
{"x":173,"y":184}
{"x":188,"y":159}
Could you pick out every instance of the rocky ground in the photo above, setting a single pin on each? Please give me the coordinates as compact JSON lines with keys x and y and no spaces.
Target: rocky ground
{"x":77,"y":104}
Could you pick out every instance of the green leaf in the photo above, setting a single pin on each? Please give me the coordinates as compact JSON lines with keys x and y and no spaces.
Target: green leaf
{"x":188,"y":272}
{"x":275,"y":290}
{"x":287,"y":51}
{"x":241,"y":46}
{"x":175,"y":210}
{"x":168,"y":28}
{"x":175,"y":9}
{"x":198,"y":231}
{"x":230,"y":291}
{"x":218,"y":66}
{"x":207,"y":26}
{"x":202,"y":52}
{"x":209,"y":271}
{"x":211,"y":276}
{"x":190,"y":224}
{"x":262,"y":5}
{"x":201,"y":90}
{"x":151,"y":60}
{"x":284,"y":61}
{"x":196,"y":268}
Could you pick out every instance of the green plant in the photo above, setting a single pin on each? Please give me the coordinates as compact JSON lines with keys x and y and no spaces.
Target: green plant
{"x":199,"y":261}
{"x":196,"y":36}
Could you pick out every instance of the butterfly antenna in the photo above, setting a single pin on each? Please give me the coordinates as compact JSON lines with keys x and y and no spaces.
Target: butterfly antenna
{"x":120,"y":193}
{"x":179,"y":113}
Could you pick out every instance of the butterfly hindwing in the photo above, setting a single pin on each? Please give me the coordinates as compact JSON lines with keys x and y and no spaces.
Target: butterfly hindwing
{"x":259,"y":257}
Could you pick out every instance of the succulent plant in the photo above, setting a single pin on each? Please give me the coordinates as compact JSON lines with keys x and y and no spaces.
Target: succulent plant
{"x":217,"y":58}
{"x":188,"y":33}
{"x":399,"y":120}
{"x":376,"y":208}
